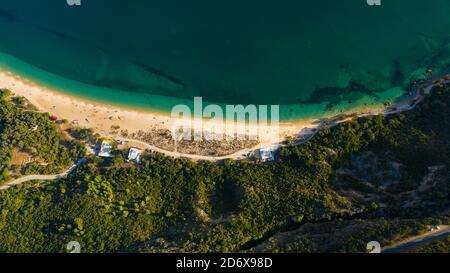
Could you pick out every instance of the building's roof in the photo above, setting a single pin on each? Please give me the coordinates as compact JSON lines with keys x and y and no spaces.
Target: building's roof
{"x":106,"y":148}
{"x":134,"y":155}
{"x":266,"y":155}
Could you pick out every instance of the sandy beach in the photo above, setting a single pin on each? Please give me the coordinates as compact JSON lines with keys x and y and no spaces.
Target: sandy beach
{"x":85,"y":113}
{"x":102,"y":116}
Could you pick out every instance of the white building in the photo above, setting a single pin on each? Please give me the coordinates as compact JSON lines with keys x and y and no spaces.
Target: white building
{"x":134,"y":155}
{"x":106,"y":148}
{"x":266,"y":155}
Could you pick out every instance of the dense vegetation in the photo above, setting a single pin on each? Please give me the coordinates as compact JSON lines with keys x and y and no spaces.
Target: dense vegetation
{"x":34,"y":134}
{"x":377,"y":178}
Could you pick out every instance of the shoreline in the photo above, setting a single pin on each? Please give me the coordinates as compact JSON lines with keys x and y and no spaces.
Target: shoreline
{"x":101,"y":117}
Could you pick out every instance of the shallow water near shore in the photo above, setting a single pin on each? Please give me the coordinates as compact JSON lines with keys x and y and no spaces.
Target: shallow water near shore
{"x":314,"y":58}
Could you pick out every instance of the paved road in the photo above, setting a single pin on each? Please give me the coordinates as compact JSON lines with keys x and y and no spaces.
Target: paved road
{"x":28,"y":178}
{"x":419,"y":241}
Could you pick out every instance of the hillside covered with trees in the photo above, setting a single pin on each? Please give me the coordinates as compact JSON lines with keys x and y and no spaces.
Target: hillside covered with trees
{"x":375,"y":178}
{"x":35,"y":137}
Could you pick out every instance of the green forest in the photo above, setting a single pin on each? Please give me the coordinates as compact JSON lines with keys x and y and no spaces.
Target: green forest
{"x":33,"y":133}
{"x":378,"y":178}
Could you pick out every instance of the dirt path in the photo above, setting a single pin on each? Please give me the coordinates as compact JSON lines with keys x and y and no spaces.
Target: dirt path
{"x":28,"y":178}
{"x":242,"y":154}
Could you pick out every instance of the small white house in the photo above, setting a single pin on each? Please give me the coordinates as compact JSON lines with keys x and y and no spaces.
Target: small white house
{"x":134,"y":155}
{"x":266,"y":155}
{"x":106,"y":148}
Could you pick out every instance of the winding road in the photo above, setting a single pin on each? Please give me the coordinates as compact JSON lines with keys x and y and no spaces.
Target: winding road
{"x":419,"y":241}
{"x":28,"y":178}
{"x":241,"y":154}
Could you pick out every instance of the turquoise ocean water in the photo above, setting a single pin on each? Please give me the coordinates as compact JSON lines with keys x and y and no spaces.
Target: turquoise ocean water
{"x":314,"y":58}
